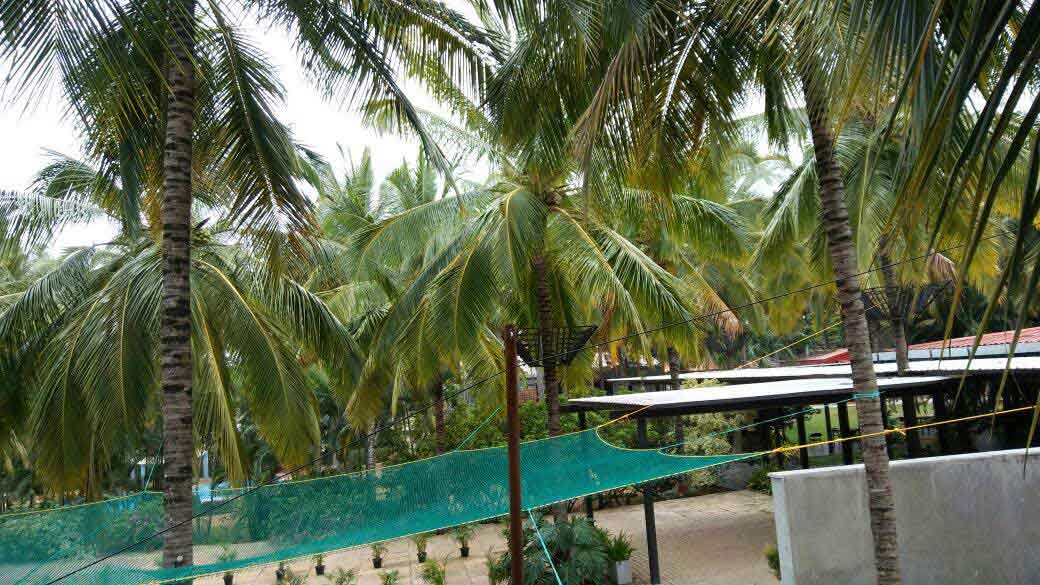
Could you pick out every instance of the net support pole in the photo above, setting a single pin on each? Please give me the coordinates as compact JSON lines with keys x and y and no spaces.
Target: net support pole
{"x":516,"y":518}
{"x":846,"y":432}
{"x":583,"y":425}
{"x":648,"y":513}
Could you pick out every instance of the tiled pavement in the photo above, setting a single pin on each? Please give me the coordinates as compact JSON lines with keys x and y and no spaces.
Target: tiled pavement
{"x":716,"y":539}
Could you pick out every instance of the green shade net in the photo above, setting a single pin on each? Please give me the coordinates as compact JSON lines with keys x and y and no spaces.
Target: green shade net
{"x":302,"y":518}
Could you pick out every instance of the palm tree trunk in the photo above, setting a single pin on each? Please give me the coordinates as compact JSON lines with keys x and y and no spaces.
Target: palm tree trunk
{"x":552,"y":383}
{"x":370,"y":447}
{"x":891,"y":284}
{"x":545,"y":324}
{"x":842,"y":252}
{"x":175,"y":328}
{"x":440,"y":430}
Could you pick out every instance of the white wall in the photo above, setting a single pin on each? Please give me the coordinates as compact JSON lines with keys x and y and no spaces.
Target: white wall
{"x":961,"y":519}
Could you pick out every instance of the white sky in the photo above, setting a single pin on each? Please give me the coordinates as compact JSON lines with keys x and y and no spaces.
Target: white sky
{"x":319,"y":123}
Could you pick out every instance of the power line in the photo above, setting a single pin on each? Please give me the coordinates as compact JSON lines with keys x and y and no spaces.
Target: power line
{"x":485,"y":379}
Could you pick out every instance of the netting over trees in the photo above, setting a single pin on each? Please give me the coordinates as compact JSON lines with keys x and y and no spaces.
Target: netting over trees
{"x":294,"y":519}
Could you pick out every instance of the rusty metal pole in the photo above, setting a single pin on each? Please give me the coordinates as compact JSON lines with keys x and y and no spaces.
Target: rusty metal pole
{"x":516,"y":518}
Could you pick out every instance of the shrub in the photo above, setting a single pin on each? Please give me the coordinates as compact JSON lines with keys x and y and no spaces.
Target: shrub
{"x":389,"y":577}
{"x":773,"y":558}
{"x":759,"y":480}
{"x":292,"y":578}
{"x":378,"y":549}
{"x":343,"y":577}
{"x":434,"y":572}
{"x":578,"y":548}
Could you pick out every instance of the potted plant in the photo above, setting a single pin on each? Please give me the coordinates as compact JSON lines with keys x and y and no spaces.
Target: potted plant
{"x":389,"y":578}
{"x":227,"y":554}
{"x":378,"y":549}
{"x":279,"y":573}
{"x":434,"y":572}
{"x":420,"y":541}
{"x":619,"y":553}
{"x":319,"y":564}
{"x":463,"y":534}
{"x":291,"y":578}
{"x":343,"y":577}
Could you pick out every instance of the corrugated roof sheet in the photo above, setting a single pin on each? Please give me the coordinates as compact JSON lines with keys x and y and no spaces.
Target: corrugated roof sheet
{"x":922,"y":367}
{"x":745,"y":395}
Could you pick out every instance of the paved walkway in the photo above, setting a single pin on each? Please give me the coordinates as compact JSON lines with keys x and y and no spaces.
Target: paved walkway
{"x":709,"y":540}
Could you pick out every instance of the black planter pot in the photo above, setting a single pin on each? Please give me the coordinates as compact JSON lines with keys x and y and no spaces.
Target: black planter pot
{"x":464,"y":551}
{"x":421,"y":556}
{"x":279,"y":575}
{"x":377,"y":562}
{"x":229,"y":579}
{"x":319,"y":570}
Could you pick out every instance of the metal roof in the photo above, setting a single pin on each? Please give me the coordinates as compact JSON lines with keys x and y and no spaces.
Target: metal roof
{"x":922,"y":367}
{"x":743,"y":396}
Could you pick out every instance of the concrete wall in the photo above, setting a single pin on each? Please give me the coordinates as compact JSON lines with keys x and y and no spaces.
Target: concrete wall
{"x":961,"y":519}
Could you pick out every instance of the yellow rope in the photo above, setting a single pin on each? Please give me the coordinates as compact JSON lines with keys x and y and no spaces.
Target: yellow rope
{"x":902,"y":430}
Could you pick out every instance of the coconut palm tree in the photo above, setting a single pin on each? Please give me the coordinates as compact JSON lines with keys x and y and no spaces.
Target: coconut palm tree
{"x":247,"y":325}
{"x":42,"y":36}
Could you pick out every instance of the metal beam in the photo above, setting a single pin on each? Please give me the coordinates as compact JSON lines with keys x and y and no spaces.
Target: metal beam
{"x":648,"y":513}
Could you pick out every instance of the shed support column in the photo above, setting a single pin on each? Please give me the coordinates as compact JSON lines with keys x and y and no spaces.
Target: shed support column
{"x":828,"y":433}
{"x":913,"y":438}
{"x":843,"y":424}
{"x":583,"y":424}
{"x":609,"y":386}
{"x":648,"y":513}
{"x":803,"y":453}
{"x":939,"y":406}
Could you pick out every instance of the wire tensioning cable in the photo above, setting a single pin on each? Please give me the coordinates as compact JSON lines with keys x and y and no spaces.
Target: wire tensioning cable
{"x":480,"y":382}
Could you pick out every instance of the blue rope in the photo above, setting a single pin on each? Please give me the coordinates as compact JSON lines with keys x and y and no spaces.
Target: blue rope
{"x":545,"y":549}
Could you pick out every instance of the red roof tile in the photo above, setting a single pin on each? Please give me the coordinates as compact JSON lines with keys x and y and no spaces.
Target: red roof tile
{"x":1029,"y":335}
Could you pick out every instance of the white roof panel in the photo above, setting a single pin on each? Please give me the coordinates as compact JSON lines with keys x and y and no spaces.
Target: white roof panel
{"x":740,"y":395}
{"x":924,"y":367}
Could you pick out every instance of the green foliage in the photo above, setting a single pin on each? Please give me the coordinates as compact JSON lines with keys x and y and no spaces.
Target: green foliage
{"x":620,"y":548}
{"x":463,"y":533}
{"x":389,"y":577}
{"x":319,"y":559}
{"x":773,"y":558}
{"x":293,"y":578}
{"x":343,"y":576}
{"x":420,"y":541}
{"x":434,"y":572}
{"x":578,"y":548}
{"x":378,"y":549}
{"x":759,"y":480}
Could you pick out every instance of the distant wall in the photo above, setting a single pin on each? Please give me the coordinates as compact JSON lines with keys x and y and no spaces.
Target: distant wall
{"x":961,"y":519}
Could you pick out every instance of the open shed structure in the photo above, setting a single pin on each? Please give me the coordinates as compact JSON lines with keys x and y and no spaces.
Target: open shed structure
{"x":801,"y":387}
